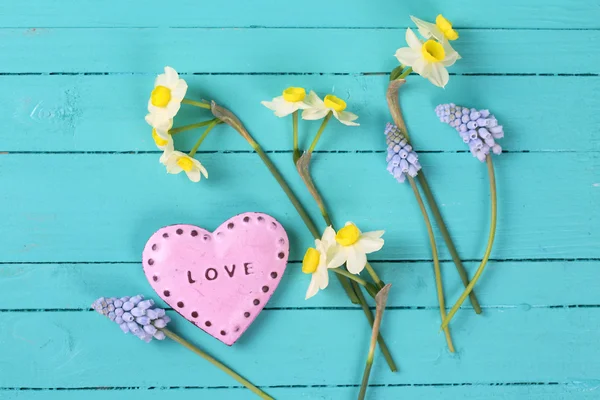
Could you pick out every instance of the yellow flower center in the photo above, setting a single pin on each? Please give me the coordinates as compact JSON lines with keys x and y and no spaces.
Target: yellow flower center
{"x":446,"y":27}
{"x":335,"y":103}
{"x":160,"y":142}
{"x":433,"y":51}
{"x":311,"y":261}
{"x":160,"y":96}
{"x":294,"y":94}
{"x":348,"y":235}
{"x":185,"y":163}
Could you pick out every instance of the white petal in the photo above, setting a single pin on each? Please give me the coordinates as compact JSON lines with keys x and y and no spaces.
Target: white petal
{"x":161,"y":80}
{"x":171,"y":77}
{"x":346,"y":118}
{"x":312,"y":114}
{"x":413,"y":41}
{"x":407,"y":56}
{"x":313,"y":287}
{"x":424,"y":27}
{"x":179,"y":90}
{"x":356,"y":260}
{"x":451,"y":55}
{"x":193,"y":174}
{"x":322,"y":276}
{"x":370,"y":245}
{"x":285,"y":109}
{"x":420,"y":67}
{"x":336,"y":256}
{"x":439,"y":75}
{"x":328,"y":236}
{"x":313,"y":100}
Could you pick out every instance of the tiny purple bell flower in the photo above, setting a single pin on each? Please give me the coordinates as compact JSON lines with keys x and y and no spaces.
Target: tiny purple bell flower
{"x":479,"y":129}
{"x":401,"y":158}
{"x":134,"y":315}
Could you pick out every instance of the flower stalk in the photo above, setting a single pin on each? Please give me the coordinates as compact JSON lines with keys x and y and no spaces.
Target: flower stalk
{"x":195,"y":103}
{"x":203,"y":136}
{"x":319,"y":132}
{"x":297,"y":152}
{"x":436,"y":262}
{"x":381,"y":300}
{"x":184,"y":128}
{"x":172,"y":335}
{"x":393,"y":101}
{"x":488,"y":250}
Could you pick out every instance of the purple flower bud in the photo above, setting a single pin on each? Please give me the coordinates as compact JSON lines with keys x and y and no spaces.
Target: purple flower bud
{"x":127,"y":317}
{"x":151,"y":313}
{"x":124,"y":299}
{"x":124,"y":327}
{"x":159,"y":323}
{"x":159,"y":335}
{"x":150,"y":329}
{"x":119,"y":312}
{"x":119,"y":320}
{"x":160,"y":312}
{"x":404,"y":160}
{"x":111,"y":315}
{"x":128,"y":306}
{"x":136,"y":299}
{"x":482,"y":128}
{"x":118,"y":303}
{"x":142,"y":320}
{"x":137,"y":312}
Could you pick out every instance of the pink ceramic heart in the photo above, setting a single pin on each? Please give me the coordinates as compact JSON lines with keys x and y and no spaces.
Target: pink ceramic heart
{"x":219,"y":281}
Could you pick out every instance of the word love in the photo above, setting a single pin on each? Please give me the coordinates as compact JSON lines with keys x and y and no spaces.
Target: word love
{"x":212,"y":273}
{"x":219,"y":281}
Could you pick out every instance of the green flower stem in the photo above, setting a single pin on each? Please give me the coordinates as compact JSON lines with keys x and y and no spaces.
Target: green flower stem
{"x":436,"y":262}
{"x":405,"y":73}
{"x":195,"y":103}
{"x":319,"y":132}
{"x":462,"y":272}
{"x":203,"y":136}
{"x":372,"y":290}
{"x":217,"y":363}
{"x":184,"y":128}
{"x":297,"y":152}
{"x":381,"y":300}
{"x":382,"y":345}
{"x":490,"y":243}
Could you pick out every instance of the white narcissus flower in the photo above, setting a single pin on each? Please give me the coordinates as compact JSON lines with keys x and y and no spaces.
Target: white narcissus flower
{"x":178,"y":161}
{"x":320,"y":108}
{"x":169,"y":91}
{"x":161,"y":136}
{"x":428,"y":59}
{"x":442,"y":29}
{"x":354,"y":246}
{"x":290,"y":101}
{"x":317,"y":262}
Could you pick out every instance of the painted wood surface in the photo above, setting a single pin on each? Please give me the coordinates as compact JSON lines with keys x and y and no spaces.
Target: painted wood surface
{"x":81,"y":190}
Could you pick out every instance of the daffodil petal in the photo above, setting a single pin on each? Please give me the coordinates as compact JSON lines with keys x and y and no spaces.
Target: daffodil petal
{"x":369,"y":244}
{"x":413,"y":41}
{"x":193,"y":174}
{"x":313,"y":100}
{"x":179,"y":90}
{"x":312,"y":114}
{"x":313,"y":287}
{"x":328,"y":235}
{"x":346,"y":118}
{"x":439,"y":75}
{"x":407,"y":56}
{"x":451,"y":55}
{"x":171,"y":76}
{"x":425,"y":28}
{"x":336,"y":257}
{"x":420,"y":67}
{"x":322,"y":276}
{"x":356,"y":260}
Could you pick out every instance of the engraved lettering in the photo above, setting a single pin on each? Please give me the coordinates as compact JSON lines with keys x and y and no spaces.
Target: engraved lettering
{"x":190,"y":280}
{"x":209,"y":276}
{"x":248,"y":268}
{"x":230,"y":273}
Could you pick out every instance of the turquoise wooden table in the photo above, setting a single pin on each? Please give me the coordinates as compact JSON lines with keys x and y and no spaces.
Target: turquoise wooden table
{"x":81,"y":190}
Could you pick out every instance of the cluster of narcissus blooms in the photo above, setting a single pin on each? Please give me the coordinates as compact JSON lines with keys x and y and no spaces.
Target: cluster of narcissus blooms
{"x":135,"y":315}
{"x":478,"y":128}
{"x":430,"y":56}
{"x":163,"y":105}
{"x":349,"y":245}
{"x":312,"y":106}
{"x":401,"y":158}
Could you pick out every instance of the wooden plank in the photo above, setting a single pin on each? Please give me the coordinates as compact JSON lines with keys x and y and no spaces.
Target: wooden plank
{"x":105,"y":113}
{"x":81,"y":349}
{"x":336,"y":13}
{"x":147,"y":50}
{"x":102,"y":207}
{"x":505,"y":285}
{"x":498,"y":391}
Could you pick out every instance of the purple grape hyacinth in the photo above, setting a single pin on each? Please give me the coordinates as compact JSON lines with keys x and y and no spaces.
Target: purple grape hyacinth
{"x":478,"y":128}
{"x":401,"y":158}
{"x":135,"y":315}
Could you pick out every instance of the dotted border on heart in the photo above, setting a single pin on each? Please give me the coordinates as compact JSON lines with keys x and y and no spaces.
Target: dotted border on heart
{"x":206,"y":237}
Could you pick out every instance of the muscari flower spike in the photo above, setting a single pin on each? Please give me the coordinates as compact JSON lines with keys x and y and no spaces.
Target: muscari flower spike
{"x":135,"y":315}
{"x":401,"y":158}
{"x":477,"y":128}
